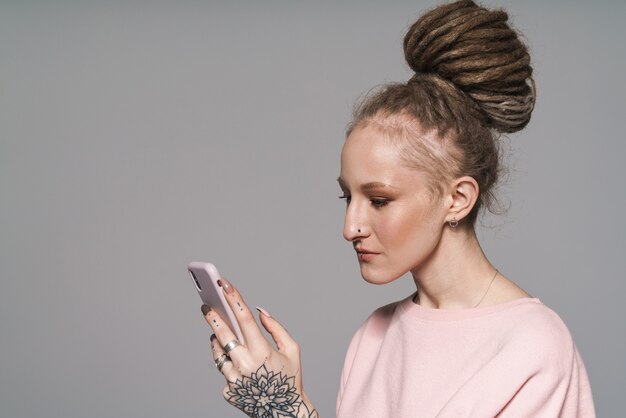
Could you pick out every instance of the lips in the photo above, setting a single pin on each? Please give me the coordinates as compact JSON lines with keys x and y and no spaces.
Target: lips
{"x":364,"y":251}
{"x":365,"y":255}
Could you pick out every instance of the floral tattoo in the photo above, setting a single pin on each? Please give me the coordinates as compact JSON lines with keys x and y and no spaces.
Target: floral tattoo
{"x":266,"y":394}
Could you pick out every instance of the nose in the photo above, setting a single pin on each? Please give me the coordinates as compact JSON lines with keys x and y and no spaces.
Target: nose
{"x":355,"y":225}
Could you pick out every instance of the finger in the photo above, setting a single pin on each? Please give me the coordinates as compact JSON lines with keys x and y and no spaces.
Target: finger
{"x":224,"y":334}
{"x":229,"y":370}
{"x":249,"y":328}
{"x":283,"y":340}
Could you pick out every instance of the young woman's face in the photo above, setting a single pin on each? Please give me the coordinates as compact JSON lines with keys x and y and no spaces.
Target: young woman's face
{"x":392,"y":219}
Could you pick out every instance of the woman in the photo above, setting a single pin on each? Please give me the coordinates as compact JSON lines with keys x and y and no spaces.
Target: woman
{"x":419,"y":162}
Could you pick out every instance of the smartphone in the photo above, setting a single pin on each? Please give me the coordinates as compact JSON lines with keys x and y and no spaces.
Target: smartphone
{"x":205,"y":277}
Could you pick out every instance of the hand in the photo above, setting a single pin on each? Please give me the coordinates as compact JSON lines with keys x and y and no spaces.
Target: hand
{"x":261,"y":381}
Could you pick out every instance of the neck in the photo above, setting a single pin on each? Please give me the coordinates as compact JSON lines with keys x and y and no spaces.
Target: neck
{"x":457,"y":276}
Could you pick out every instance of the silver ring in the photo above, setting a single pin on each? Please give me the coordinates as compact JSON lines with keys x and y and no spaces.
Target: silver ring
{"x":221,"y":360}
{"x":230,"y":346}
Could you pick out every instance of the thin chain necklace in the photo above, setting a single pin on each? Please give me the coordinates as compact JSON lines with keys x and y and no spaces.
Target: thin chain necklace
{"x":416,"y":297}
{"x":487,"y":291}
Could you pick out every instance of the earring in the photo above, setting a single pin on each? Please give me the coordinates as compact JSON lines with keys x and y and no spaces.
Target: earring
{"x":453,"y":223}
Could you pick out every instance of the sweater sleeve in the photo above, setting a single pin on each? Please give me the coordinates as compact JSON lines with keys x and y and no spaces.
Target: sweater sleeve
{"x":349,"y":360}
{"x":378,"y":320}
{"x":554,"y":392}
{"x":537,"y":373}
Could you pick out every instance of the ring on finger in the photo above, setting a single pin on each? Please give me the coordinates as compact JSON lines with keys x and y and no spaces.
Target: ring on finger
{"x":230,"y":346}
{"x":221,"y":360}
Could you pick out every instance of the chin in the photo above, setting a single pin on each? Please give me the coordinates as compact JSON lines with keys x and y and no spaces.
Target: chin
{"x":379,"y":276}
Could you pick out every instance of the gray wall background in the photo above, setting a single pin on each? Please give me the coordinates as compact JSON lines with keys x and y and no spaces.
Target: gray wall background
{"x":138,"y":136}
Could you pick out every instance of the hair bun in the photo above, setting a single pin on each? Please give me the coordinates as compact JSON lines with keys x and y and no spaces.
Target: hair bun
{"x":475,"y":49}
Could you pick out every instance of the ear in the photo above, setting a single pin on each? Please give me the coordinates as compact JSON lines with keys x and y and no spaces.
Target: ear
{"x":462,"y":195}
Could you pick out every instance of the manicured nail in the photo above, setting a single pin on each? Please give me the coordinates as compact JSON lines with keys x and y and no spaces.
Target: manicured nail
{"x":213,"y":337}
{"x":263,"y":311}
{"x":205,"y":309}
{"x":225,"y":284}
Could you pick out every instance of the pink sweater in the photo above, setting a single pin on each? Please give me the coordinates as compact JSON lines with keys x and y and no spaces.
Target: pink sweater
{"x":515,"y":359}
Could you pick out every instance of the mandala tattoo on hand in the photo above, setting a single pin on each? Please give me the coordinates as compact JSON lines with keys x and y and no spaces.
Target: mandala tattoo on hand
{"x":267,"y":394}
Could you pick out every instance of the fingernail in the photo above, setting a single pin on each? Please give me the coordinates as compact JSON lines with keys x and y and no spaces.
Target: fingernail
{"x":205,"y":309}
{"x":228,"y":288}
{"x":213,"y":337}
{"x":263,"y":311}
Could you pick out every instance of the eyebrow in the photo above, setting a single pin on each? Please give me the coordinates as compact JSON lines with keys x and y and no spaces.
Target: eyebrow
{"x":367,"y":187}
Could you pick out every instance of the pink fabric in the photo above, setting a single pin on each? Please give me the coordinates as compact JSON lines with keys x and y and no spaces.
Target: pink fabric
{"x":515,"y":359}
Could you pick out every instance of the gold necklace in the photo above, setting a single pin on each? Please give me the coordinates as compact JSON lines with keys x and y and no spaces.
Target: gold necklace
{"x":490,"y":283}
{"x":416,"y":298}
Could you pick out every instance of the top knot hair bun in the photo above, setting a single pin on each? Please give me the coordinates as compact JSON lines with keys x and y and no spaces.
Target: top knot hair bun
{"x":476,"y":50}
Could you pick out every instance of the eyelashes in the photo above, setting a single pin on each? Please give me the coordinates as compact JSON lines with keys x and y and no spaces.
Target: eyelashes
{"x":379,"y":203}
{"x":376,"y":202}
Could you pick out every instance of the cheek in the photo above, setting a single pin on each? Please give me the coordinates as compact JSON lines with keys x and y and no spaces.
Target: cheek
{"x":410,"y":232}
{"x":393,"y":231}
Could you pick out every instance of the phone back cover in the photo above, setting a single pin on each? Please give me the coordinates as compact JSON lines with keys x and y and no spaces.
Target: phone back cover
{"x":211,"y":293}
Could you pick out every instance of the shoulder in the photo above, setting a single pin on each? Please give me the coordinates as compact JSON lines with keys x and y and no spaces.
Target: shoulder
{"x":384,"y":313}
{"x":378,"y":321}
{"x":376,"y":324}
{"x":536,"y":320}
{"x":539,"y":353}
{"x":539,"y":334}
{"x":367,"y":338}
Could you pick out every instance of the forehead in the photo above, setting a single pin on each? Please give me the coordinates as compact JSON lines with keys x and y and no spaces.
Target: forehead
{"x":369,"y":155}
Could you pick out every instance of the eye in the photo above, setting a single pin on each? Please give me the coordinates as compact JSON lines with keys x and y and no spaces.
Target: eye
{"x":347,"y":198}
{"x":379,"y":203}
